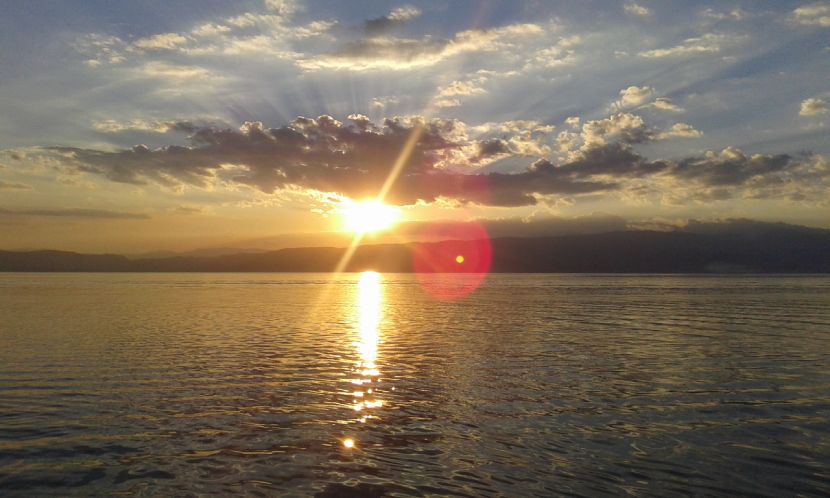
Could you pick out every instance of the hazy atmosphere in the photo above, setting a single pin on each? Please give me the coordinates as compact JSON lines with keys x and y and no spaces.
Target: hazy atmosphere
{"x":134,"y":127}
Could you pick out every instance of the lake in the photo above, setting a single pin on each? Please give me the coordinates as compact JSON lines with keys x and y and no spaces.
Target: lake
{"x":370,"y":385}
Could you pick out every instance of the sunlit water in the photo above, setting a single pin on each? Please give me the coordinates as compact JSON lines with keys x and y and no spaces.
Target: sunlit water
{"x":191,"y":384}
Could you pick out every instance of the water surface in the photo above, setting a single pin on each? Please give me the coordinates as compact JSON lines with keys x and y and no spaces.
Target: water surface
{"x":534,"y":385}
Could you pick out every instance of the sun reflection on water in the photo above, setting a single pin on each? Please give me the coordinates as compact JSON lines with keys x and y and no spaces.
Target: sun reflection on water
{"x":369,"y":308}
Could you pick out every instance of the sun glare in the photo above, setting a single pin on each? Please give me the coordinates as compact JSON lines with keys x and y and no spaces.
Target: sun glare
{"x":368,"y":216}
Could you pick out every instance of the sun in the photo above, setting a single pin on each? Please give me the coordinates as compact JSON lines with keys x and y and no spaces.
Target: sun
{"x":368,"y":216}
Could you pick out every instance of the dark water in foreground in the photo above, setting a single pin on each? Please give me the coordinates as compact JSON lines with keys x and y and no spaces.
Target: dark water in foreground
{"x":190,"y":384}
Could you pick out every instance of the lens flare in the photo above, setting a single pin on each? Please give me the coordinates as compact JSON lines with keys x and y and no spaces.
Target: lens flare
{"x":464,"y":250}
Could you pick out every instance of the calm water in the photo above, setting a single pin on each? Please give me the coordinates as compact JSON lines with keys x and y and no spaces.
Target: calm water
{"x":190,"y":384}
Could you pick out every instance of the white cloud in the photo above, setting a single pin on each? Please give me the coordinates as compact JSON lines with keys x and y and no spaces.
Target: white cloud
{"x":282,"y":7}
{"x":313,"y":29}
{"x":812,"y":107}
{"x":383,"y":102}
{"x":709,"y":43}
{"x":445,"y":103}
{"x":815,"y":14}
{"x":567,"y":141}
{"x":633,"y":96}
{"x":665,"y":104}
{"x":406,"y":13}
{"x":636,"y":10}
{"x":210,"y":29}
{"x":389,"y":53}
{"x":115,"y":126}
{"x":680,"y":130}
{"x":560,"y":54}
{"x":464,"y":88}
{"x":447,"y":96}
{"x":163,"y":41}
{"x":166,"y":70}
{"x":624,"y":126}
{"x":732,"y":15}
{"x":103,"y":49}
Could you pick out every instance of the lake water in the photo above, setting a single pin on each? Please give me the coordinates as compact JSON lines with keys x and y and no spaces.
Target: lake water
{"x":533,"y":385}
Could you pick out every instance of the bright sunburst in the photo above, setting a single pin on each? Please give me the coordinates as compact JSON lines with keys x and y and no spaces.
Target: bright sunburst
{"x":368,"y":216}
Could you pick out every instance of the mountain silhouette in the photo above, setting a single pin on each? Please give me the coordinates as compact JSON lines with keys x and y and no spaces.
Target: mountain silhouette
{"x":698,"y":248}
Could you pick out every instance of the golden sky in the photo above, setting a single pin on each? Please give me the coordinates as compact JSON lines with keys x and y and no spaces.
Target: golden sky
{"x":142,"y":127}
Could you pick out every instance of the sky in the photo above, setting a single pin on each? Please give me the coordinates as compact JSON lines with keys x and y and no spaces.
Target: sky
{"x":150,"y":125}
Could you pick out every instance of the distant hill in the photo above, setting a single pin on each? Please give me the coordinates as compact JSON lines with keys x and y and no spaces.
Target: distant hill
{"x":774,"y":248}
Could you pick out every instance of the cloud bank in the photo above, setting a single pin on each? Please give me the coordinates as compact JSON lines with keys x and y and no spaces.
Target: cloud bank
{"x":354,"y":159}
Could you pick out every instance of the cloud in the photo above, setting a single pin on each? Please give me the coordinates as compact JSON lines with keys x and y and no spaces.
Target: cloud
{"x":169,"y":71}
{"x":731,"y":167}
{"x":103,"y":49}
{"x":249,"y":33}
{"x":284,"y":8}
{"x":353,"y":159}
{"x":514,"y":138}
{"x":665,"y":104}
{"x":636,"y":10}
{"x":114,"y":126}
{"x":75,"y":213}
{"x":186,"y":210}
{"x":464,"y":88}
{"x":633,"y":96}
{"x":14,"y":186}
{"x":160,"y":42}
{"x":708,"y":43}
{"x":447,"y":95}
{"x":812,"y":107}
{"x":381,"y":53}
{"x":815,"y":14}
{"x":312,"y":29}
{"x":680,"y":130}
{"x":383,"y":102}
{"x":393,"y":19}
{"x":326,"y":155}
{"x":560,"y":54}
{"x":385,"y":53}
{"x":732,"y":15}
{"x":210,"y":30}
{"x":623,"y":127}
{"x":151,"y":125}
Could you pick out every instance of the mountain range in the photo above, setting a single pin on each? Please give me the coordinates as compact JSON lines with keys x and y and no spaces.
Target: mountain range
{"x":748,"y":247}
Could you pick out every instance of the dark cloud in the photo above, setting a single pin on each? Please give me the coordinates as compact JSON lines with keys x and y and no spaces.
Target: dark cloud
{"x":492,"y":147}
{"x":732,"y":167}
{"x":616,"y":159}
{"x":390,"y":21}
{"x":355,"y":159}
{"x":74,"y":213}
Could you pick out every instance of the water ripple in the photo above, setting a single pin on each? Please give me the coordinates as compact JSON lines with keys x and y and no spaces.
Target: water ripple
{"x":535,"y":385}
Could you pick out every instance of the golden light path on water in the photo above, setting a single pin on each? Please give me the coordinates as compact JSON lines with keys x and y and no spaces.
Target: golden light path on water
{"x":370,"y":306}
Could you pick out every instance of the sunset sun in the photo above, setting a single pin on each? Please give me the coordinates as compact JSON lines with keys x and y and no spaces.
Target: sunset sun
{"x":368,"y":216}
